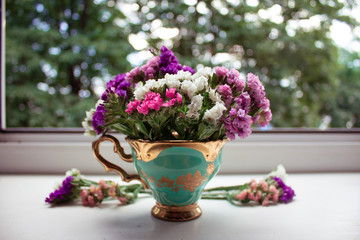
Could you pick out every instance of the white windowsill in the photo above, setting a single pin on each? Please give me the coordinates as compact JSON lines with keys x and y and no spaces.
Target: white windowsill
{"x":318,"y":211}
{"x":301,"y":152}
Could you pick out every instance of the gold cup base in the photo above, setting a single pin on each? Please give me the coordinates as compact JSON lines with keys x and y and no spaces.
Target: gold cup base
{"x":176,"y":214}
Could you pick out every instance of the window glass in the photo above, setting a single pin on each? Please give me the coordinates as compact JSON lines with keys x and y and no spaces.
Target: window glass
{"x":60,"y":54}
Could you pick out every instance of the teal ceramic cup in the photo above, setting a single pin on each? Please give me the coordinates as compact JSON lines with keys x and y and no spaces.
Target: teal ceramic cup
{"x":176,"y":171}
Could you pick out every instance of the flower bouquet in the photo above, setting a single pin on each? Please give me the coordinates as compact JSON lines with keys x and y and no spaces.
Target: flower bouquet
{"x":176,"y":120}
{"x":270,"y":190}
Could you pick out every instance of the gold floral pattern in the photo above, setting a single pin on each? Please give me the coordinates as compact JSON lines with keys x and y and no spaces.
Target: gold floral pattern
{"x":210,"y":169}
{"x":150,"y":179}
{"x":191,"y":182}
{"x":165,"y":182}
{"x":187,"y":182}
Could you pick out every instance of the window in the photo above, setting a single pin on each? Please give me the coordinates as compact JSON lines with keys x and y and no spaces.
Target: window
{"x":59,"y":55}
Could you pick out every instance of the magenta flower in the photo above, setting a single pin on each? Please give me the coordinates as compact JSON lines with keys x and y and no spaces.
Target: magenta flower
{"x":132,"y":106}
{"x":152,"y":101}
{"x":170,"y":93}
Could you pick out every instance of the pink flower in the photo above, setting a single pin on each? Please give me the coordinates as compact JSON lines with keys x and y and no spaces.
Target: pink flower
{"x":179,"y":98}
{"x":263,"y":185}
{"x":242,"y":195}
{"x":174,"y":97}
{"x":169,"y":103}
{"x":170,"y":93}
{"x":275,"y":197}
{"x":266,"y":201}
{"x":103,"y":184}
{"x":91,"y":201}
{"x":122,"y":200}
{"x":112,"y":190}
{"x":257,"y":196}
{"x":132,"y":106}
{"x":221,"y":71}
{"x":84,"y":197}
{"x":92,"y":189}
{"x":272,"y":189}
{"x":250,"y":195}
{"x":253,"y":185}
{"x":99,"y":193}
{"x":143,"y":109}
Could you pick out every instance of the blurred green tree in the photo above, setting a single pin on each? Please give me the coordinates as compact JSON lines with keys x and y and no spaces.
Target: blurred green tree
{"x":56,"y":52}
{"x":287,"y":43}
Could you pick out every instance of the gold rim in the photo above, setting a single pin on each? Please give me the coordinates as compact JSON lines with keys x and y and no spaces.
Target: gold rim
{"x":147,"y":151}
{"x":176,"y":213}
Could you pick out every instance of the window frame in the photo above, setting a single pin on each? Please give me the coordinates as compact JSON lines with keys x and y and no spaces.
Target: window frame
{"x":48,"y":147}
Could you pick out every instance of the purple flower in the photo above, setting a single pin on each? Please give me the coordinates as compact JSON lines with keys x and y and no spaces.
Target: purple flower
{"x":133,"y":74}
{"x":243,"y":102}
{"x":151,"y":68}
{"x":226,"y":92}
{"x":287,"y":192}
{"x":119,"y":85}
{"x":62,"y":194}
{"x":187,"y":69}
{"x":256,"y":90}
{"x":238,"y":123}
{"x":169,"y":64}
{"x":221,"y":71}
{"x":232,"y":76}
{"x":98,"y":119}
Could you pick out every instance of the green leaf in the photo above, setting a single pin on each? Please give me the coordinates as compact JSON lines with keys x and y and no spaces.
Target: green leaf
{"x":140,"y":125}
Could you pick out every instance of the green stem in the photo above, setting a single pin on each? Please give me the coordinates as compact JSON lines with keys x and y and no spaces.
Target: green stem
{"x":87,"y":183}
{"x":229,"y":188}
{"x":213,"y":197}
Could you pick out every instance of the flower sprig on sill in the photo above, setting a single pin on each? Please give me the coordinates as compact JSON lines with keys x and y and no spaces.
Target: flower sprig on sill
{"x":270,"y":190}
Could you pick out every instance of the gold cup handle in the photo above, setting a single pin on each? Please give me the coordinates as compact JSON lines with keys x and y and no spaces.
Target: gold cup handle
{"x":110,"y":166}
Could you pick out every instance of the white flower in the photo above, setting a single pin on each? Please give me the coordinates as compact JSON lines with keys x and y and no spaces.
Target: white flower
{"x":183,"y":75}
{"x":72,"y":172}
{"x":205,"y":72}
{"x":172,"y":81}
{"x":160,"y":82}
{"x":89,"y":130}
{"x":215,"y":113}
{"x":280,"y":172}
{"x":189,"y":88}
{"x":214,"y":96}
{"x":100,"y":101}
{"x":194,"y":107}
{"x":201,"y":83}
{"x":140,"y":91}
{"x":151,"y":84}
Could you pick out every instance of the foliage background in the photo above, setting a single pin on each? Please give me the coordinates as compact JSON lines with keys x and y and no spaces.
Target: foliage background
{"x":60,"y":54}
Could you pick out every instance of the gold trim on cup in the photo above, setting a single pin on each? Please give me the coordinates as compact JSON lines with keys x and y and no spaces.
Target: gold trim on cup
{"x":176,"y":213}
{"x":148,"y":150}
